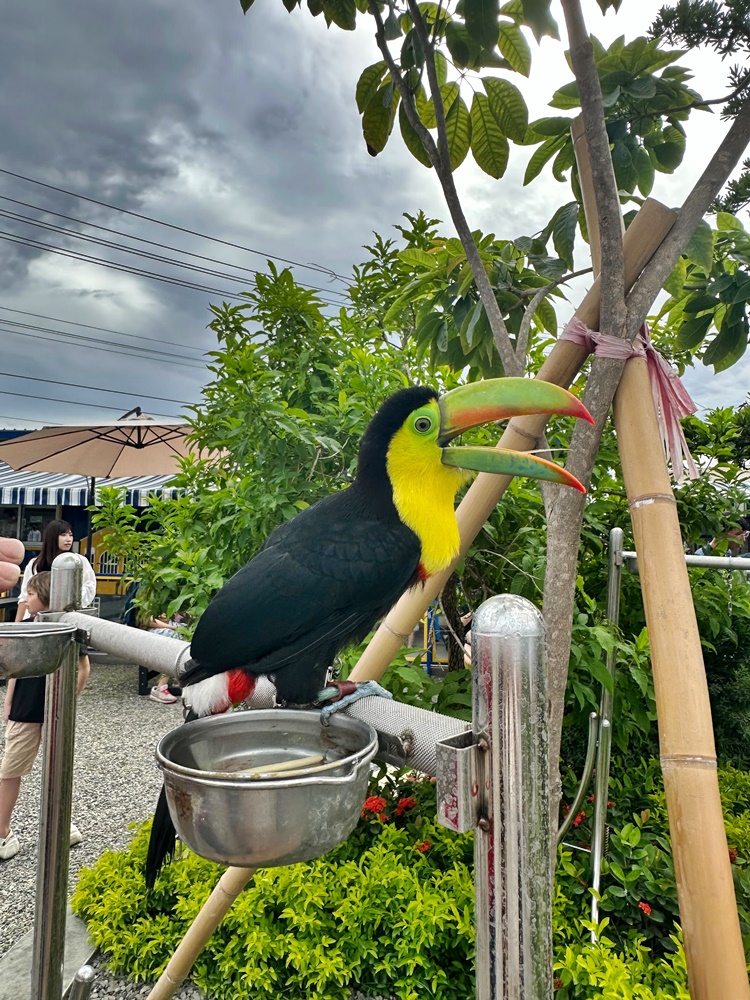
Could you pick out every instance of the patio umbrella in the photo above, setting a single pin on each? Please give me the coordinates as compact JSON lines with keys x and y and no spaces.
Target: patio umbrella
{"x":134,"y":445}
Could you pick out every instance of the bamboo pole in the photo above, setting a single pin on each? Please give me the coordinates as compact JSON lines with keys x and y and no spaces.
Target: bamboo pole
{"x":714,"y":949}
{"x":646,"y":232}
{"x":708,"y":908}
{"x":228,"y":888}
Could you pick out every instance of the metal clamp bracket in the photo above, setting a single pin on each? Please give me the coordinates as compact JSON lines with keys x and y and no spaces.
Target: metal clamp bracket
{"x":458,"y":782}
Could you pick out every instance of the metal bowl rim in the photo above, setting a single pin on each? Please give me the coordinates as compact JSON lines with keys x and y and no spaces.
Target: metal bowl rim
{"x":222,"y":778}
{"x":32,"y":629}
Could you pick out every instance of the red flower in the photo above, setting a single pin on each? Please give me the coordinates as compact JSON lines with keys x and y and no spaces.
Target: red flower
{"x":645,"y":907}
{"x":732,"y":855}
{"x":557,"y":984}
{"x":374,"y":804}
{"x":579,"y":818}
{"x":591,"y":798}
{"x":383,"y":817}
{"x":424,"y":846}
{"x":403,"y":804}
{"x":566,"y":808}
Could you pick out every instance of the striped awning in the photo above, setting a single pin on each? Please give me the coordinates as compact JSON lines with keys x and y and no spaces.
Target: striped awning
{"x":40,"y":489}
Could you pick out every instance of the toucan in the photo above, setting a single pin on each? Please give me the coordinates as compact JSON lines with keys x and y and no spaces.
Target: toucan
{"x":324,"y":578}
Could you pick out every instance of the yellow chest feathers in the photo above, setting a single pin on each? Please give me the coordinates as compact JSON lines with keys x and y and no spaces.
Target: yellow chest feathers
{"x":424,"y":492}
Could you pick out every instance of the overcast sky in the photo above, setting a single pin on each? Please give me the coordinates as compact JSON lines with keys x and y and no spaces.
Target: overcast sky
{"x":239,"y":128}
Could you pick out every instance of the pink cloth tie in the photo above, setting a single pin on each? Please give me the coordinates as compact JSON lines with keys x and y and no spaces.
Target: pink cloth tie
{"x":671,"y":399}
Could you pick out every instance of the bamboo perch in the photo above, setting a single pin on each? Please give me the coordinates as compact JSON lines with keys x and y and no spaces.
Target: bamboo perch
{"x":708,"y":908}
{"x":646,"y":232}
{"x":228,"y":888}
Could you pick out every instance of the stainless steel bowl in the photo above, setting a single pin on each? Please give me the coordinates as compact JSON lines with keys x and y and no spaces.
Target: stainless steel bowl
{"x":264,"y":819}
{"x":33,"y":649}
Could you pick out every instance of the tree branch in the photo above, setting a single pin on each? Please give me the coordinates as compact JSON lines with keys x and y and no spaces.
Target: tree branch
{"x":697,"y":203}
{"x":538,"y":295}
{"x":440,"y":160}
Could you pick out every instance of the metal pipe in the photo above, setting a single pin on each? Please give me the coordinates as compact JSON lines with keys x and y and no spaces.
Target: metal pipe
{"x":740,"y":563}
{"x":588,"y":769}
{"x":135,"y":645}
{"x":512,"y":844}
{"x":604,"y":750}
{"x":56,"y":797}
{"x":81,"y":986}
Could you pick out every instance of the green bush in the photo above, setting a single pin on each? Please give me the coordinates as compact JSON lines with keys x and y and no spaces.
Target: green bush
{"x":391,"y":910}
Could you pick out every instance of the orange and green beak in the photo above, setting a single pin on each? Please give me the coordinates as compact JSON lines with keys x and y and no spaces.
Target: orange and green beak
{"x":498,"y":399}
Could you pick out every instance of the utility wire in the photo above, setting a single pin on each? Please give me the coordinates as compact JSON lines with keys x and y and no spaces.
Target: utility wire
{"x":73,"y":402}
{"x":169,"y":225}
{"x":100,"y":329}
{"x":91,"y":344}
{"x":32,"y":420}
{"x":145,"y":254}
{"x":128,"y":236}
{"x":94,"y":388}
{"x":126,"y":268}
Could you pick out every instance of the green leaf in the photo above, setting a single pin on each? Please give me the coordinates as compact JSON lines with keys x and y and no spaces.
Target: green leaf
{"x":481,"y":21}
{"x":418,"y":258}
{"x":700,"y":303}
{"x":464,"y":51}
{"x":508,"y":106}
{"x":448,"y":92}
{"x":411,"y":138}
{"x":544,"y":153}
{"x":469,"y":327}
{"x":428,"y":327}
{"x":550,"y":126}
{"x":342,"y":13}
{"x":733,"y":354}
{"x":564,"y":224}
{"x":291,"y":4}
{"x":566,"y":97}
{"x":488,"y":144}
{"x":369,"y":83}
{"x":725,"y":221}
{"x":645,"y":171}
{"x":726,"y":343}
{"x":246,"y":5}
{"x":676,"y":281}
{"x":315,"y":7}
{"x":392,"y":27}
{"x":514,"y":47}
{"x":668,"y":156}
{"x":547,"y":316}
{"x":700,"y":248}
{"x":378,"y":118}
{"x":458,"y":132}
{"x":536,"y":13}
{"x":692,"y":332}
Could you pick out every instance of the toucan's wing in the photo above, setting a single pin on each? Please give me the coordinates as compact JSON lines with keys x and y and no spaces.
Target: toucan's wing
{"x":320,"y":581}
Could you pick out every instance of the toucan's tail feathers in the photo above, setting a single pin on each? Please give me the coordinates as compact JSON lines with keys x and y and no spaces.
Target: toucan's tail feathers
{"x":162,"y":842}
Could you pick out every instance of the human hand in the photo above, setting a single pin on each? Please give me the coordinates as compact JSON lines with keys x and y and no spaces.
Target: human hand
{"x":465,"y":619}
{"x":11,"y":554}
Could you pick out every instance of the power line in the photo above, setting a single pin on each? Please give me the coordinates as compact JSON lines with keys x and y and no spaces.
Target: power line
{"x":91,"y":344}
{"x":72,"y":402}
{"x":169,"y":225}
{"x":93,"y":388}
{"x":126,"y":268}
{"x":144,"y":254}
{"x":100,"y":329}
{"x":32,"y":420}
{"x":129,"y":236}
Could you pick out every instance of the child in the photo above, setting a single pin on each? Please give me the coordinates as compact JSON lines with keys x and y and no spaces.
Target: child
{"x":24,"y":715}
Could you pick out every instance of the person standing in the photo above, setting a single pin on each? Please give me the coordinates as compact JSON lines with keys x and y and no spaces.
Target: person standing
{"x":57,"y":538}
{"x":24,"y":716}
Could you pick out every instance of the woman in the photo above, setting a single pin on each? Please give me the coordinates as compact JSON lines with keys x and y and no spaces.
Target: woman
{"x":57,"y":538}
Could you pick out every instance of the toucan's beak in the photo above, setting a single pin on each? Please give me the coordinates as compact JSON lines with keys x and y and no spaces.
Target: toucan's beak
{"x":497,"y":399}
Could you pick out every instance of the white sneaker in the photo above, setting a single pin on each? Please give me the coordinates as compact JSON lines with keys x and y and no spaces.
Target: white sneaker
{"x":9,"y":846}
{"x":161,"y":693}
{"x":75,"y":835}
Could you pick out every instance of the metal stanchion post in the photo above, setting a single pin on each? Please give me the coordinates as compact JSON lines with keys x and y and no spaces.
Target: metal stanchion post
{"x":513,"y":870}
{"x":604,"y":749}
{"x":57,"y":791}
{"x":82,"y":984}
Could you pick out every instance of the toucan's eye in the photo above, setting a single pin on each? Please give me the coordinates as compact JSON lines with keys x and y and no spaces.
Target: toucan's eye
{"x":422,"y":424}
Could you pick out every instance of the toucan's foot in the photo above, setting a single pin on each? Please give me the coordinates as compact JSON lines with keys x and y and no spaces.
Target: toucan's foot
{"x":339,"y":694}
